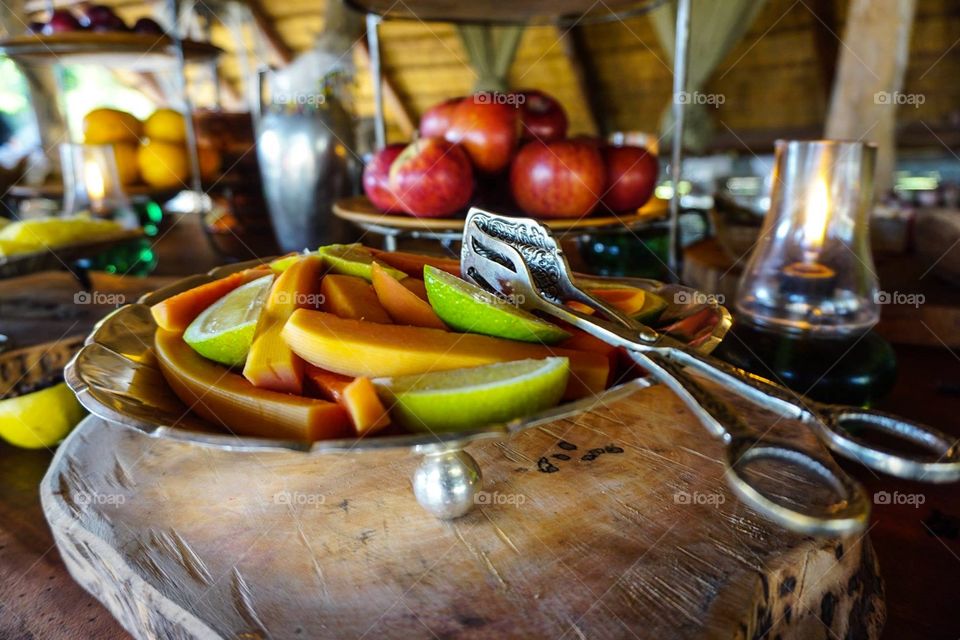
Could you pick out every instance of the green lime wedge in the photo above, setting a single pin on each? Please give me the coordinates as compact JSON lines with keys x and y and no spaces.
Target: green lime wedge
{"x":653,"y":306}
{"x":224,"y":331}
{"x":466,"y":307}
{"x":354,"y":260}
{"x":463,"y":399}
{"x":280,"y":265}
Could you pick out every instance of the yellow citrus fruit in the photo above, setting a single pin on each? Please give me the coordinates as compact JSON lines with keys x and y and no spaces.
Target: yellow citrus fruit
{"x":106,"y":126}
{"x":166,"y":125}
{"x":128,"y":167}
{"x":163,"y":165}
{"x":40,"y":419}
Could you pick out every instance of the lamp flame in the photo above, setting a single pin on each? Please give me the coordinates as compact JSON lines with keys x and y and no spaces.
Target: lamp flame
{"x":815,"y":216}
{"x":94,"y":181}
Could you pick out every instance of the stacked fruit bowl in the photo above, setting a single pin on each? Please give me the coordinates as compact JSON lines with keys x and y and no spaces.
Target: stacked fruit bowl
{"x":478,"y":147}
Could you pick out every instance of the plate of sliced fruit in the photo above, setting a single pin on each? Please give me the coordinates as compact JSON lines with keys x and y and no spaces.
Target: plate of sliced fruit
{"x":349,"y":348}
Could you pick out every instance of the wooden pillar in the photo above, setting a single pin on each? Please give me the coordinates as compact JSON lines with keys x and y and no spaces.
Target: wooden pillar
{"x":869,"y":80}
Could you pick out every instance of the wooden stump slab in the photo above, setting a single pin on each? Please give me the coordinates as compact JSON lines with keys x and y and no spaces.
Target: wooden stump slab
{"x":614,"y":524}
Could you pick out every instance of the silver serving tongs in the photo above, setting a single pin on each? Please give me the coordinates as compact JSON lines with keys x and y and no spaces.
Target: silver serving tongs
{"x":519,"y":258}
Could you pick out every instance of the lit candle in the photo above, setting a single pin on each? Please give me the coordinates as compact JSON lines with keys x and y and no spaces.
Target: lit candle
{"x":95,"y":184}
{"x":809,"y":276}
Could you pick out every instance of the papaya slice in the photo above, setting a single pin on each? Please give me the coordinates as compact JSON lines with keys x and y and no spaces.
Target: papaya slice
{"x":325,"y":384}
{"x":416,"y":286}
{"x":229,"y":400}
{"x":357,"y":396}
{"x":363,"y":404}
{"x":358,"y":348}
{"x":412,"y":263}
{"x":177,"y":312}
{"x":352,"y":297}
{"x":403,"y":305}
{"x":270,"y":363}
{"x":630,"y":301}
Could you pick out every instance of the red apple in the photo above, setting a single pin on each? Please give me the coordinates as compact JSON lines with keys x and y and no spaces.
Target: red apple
{"x":631,"y":177}
{"x":62,"y":21}
{"x":376,"y":178}
{"x":542,"y":116}
{"x":431,"y":178}
{"x":560,"y":179}
{"x":436,"y":120}
{"x":100,"y":17}
{"x":487,"y":129}
{"x":148,"y":26}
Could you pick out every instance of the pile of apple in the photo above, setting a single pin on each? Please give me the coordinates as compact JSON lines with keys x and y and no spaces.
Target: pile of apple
{"x":517,"y":138}
{"x":98,"y":18}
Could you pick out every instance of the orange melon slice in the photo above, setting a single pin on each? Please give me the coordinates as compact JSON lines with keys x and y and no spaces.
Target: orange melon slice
{"x":177,"y":312}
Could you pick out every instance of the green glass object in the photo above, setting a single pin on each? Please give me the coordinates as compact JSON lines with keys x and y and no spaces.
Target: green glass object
{"x":854,"y":370}
{"x":641,"y":253}
{"x":137,"y":257}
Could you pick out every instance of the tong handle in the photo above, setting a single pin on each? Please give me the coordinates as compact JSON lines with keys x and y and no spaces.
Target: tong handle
{"x":839,"y":428}
{"x":849,"y":512}
{"x":837,"y":425}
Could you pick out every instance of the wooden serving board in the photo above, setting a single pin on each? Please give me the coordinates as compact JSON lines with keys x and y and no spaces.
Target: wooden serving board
{"x":614,"y":524}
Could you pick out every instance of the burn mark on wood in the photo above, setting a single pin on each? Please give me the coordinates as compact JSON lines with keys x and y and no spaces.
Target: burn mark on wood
{"x":345,"y":505}
{"x":567,"y":446}
{"x":838,"y":552}
{"x":788,"y":585}
{"x":612,"y":448}
{"x":470,"y":621}
{"x":561,"y":456}
{"x":828,"y":606}
{"x":545,"y":466}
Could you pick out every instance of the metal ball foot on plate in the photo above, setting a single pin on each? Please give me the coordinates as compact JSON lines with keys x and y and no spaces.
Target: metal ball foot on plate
{"x":446,"y":482}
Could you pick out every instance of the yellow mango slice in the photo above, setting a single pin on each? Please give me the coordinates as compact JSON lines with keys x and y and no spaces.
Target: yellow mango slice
{"x":363,"y":404}
{"x":270,"y":363}
{"x":352,"y":297}
{"x":403,"y":305}
{"x":358,"y":348}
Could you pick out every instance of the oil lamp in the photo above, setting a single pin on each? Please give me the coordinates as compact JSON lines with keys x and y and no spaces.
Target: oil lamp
{"x":811,"y":270}
{"x":91,"y":183}
{"x":808,"y":295}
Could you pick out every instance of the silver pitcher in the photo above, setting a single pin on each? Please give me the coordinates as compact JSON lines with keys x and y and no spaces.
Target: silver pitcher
{"x":305,"y":148}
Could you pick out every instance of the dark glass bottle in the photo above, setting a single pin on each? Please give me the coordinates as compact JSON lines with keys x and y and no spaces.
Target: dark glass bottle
{"x":854,"y":370}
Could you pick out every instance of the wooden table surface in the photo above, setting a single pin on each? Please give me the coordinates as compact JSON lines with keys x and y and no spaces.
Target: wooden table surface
{"x":918,"y":546}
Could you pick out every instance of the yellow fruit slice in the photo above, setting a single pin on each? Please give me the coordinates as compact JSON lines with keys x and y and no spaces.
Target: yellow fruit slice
{"x":363,"y":404}
{"x":32,"y":235}
{"x":352,"y":297}
{"x":270,"y":363}
{"x":357,"y":348}
{"x":41,"y":419}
